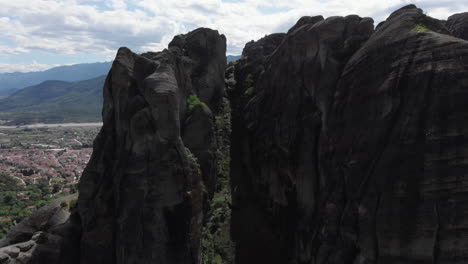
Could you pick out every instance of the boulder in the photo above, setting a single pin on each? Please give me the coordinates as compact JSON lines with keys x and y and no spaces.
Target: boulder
{"x":11,"y":251}
{"x":4,"y":257}
{"x":51,"y":216}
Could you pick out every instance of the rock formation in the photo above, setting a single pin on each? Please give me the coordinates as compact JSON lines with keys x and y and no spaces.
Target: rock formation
{"x":334,"y":143}
{"x":458,"y":25}
{"x":277,"y":178}
{"x":39,"y":238}
{"x":348,"y":146}
{"x":141,"y":195}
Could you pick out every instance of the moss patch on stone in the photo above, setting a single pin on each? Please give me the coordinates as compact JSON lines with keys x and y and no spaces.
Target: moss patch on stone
{"x":71,"y":204}
{"x":193,"y":101}
{"x":420,"y":28}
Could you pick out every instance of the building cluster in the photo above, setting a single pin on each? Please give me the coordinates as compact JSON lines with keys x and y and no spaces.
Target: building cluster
{"x":32,"y":165}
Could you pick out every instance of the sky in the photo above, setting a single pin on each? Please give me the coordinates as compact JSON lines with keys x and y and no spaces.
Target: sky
{"x":39,"y":34}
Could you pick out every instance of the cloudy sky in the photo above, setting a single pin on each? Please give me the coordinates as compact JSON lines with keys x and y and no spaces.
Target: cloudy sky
{"x":39,"y":34}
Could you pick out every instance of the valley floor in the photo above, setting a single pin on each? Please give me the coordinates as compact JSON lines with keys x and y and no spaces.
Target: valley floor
{"x":38,"y":163}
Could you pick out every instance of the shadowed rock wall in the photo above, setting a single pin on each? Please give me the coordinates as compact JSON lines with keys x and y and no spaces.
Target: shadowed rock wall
{"x":141,"y":197}
{"x":350,"y":148}
{"x":458,"y":25}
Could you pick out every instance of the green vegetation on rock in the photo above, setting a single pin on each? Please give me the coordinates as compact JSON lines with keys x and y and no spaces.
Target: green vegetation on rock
{"x":193,"y":101}
{"x":18,"y":201}
{"x":420,"y":28}
{"x":217,"y":246}
{"x":70,"y":204}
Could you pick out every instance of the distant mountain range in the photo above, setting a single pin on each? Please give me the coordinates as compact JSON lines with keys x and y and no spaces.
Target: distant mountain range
{"x":55,"y":102}
{"x":232,"y":57}
{"x":11,"y":82}
{"x":61,"y":94}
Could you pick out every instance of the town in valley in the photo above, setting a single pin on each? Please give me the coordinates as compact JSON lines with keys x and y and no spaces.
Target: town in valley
{"x":40,"y":163}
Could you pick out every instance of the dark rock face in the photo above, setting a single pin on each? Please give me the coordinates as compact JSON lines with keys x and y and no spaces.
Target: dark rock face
{"x":393,"y":145}
{"x":458,"y":25}
{"x":265,"y":46}
{"x":279,"y":155}
{"x":199,"y":137}
{"x":305,"y":20}
{"x":41,"y":237}
{"x":351,"y":147}
{"x":206,"y":50}
{"x":348,"y":145}
{"x":141,"y":197}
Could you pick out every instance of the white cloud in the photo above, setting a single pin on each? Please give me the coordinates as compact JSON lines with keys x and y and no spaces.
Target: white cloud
{"x":6,"y":51}
{"x":101,"y":26}
{"x":243,"y":21}
{"x":70,"y":28}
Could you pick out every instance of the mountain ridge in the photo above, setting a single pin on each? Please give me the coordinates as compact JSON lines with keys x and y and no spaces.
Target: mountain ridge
{"x":55,"y":101}
{"x":11,"y":82}
{"x":230,"y":58}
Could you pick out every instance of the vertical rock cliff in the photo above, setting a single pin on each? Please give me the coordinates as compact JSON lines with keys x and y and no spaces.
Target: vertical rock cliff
{"x":284,"y":102}
{"x":458,"y":25}
{"x":349,"y":144}
{"x":142,"y":194}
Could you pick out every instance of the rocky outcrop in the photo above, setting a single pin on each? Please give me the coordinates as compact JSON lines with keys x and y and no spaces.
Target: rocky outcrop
{"x":276,"y":174}
{"x":350,"y":148}
{"x":393,"y":146}
{"x":40,"y":237}
{"x":257,"y":50}
{"x":458,"y":25}
{"x":141,"y":195}
{"x":305,"y":20}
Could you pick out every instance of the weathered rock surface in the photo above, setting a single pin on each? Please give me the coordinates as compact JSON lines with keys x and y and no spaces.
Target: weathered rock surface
{"x":199,"y":136}
{"x":275,"y":183}
{"x":458,"y":25}
{"x":393,"y":148}
{"x":305,"y":20}
{"x":52,"y":215}
{"x":141,"y":197}
{"x":351,"y":148}
{"x":40,"y":237}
